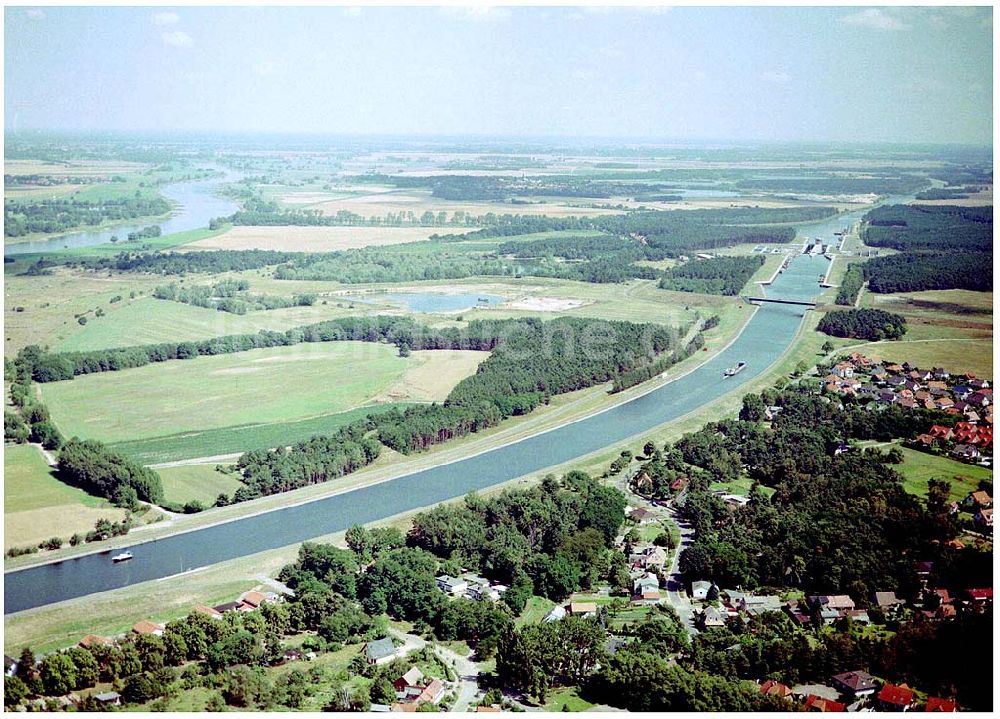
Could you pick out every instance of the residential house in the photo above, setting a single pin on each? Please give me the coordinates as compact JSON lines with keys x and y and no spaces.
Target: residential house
{"x":207,"y":611}
{"x":648,"y":582}
{"x":713,"y":617}
{"x":941,"y":432}
{"x":886,"y":601}
{"x":839,"y":602}
{"x":844,"y":370}
{"x":556,"y":614}
{"x":108,"y":699}
{"x":855,"y":683}
{"x":936,"y":704}
{"x":582,"y":609}
{"x":147,"y":627}
{"x":984,"y":518}
{"x":9,"y":665}
{"x":642,"y":515}
{"x":381,"y":651}
{"x":433,"y":692}
{"x":410,"y":685}
{"x":452,"y":585}
{"x":700,"y":588}
{"x":979,"y":596}
{"x":227,"y":607}
{"x":380,"y":708}
{"x":94,"y":640}
{"x":755,"y":605}
{"x":893,"y":698}
{"x":979,"y":499}
{"x":815,"y":703}
{"x":966,"y":452}
{"x":775,"y":689}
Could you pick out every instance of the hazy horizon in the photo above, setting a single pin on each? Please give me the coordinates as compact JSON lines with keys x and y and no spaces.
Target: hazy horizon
{"x":818,"y":75}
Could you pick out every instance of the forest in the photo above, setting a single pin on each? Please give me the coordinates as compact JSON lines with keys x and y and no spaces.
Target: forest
{"x":929,"y":227}
{"x":865,"y":324}
{"x":918,"y":271}
{"x":716,"y":276}
{"x":58,"y":215}
{"x":91,"y":466}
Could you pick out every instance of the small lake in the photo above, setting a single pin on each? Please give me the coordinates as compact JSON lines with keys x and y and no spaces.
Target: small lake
{"x":431,"y":301}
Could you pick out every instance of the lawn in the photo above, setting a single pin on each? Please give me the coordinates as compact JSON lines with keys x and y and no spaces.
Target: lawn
{"x":198,"y":482}
{"x":566,"y":699}
{"x":919,"y":467}
{"x":242,"y":438}
{"x":38,"y":506}
{"x":535,"y":611}
{"x":260,"y":386}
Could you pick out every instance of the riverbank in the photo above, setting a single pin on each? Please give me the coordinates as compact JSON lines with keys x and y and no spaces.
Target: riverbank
{"x":563,"y":410}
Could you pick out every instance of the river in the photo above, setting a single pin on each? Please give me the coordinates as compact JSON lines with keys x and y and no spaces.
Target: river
{"x":766,"y":337}
{"x":197,"y":203}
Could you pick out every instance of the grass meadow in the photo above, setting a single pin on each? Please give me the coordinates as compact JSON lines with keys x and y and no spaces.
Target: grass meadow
{"x":38,"y":506}
{"x":260,"y":386}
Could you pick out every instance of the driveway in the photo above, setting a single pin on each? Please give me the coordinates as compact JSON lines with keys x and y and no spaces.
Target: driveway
{"x":467,"y":670}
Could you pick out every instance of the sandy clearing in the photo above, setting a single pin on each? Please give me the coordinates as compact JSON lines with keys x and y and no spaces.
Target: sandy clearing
{"x":545,"y":304}
{"x":316,"y":239}
{"x":432,"y":374}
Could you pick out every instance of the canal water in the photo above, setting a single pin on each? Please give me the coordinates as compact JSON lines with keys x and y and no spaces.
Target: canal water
{"x":766,"y":336}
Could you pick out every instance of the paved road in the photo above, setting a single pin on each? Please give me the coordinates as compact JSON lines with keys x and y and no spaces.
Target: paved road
{"x":466,"y":669}
{"x":676,"y":595}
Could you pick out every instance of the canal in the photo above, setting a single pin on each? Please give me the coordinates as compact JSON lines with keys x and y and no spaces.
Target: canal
{"x":766,"y":337}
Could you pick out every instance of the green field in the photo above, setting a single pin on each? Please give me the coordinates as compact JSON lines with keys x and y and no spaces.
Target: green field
{"x":945,"y":328}
{"x":229,"y":440}
{"x":149,"y":321}
{"x":535,"y":611}
{"x":196,"y":482}
{"x":919,"y":467}
{"x":38,"y":506}
{"x":262,"y":386}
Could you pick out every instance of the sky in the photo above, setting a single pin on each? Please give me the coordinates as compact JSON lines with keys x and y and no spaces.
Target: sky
{"x":920,"y":75}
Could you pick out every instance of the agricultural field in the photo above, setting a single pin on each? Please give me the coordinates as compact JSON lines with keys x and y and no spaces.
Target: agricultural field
{"x":38,"y":506}
{"x":297,"y":382}
{"x":229,"y":441}
{"x":316,"y":239}
{"x":945,"y":328}
{"x":147,"y":321}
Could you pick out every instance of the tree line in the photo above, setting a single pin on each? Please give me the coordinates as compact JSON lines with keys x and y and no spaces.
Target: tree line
{"x":230,"y":296}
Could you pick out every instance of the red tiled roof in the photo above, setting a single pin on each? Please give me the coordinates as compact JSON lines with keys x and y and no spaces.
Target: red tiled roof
{"x":819,"y":704}
{"x":896,"y":695}
{"x":936,"y":704}
{"x":775,"y":688}
{"x":92,"y":640}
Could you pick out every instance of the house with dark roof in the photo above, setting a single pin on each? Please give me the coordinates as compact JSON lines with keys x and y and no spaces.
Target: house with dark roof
{"x":893,"y":698}
{"x":886,"y":600}
{"x":855,"y":683}
{"x":380,"y":651}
